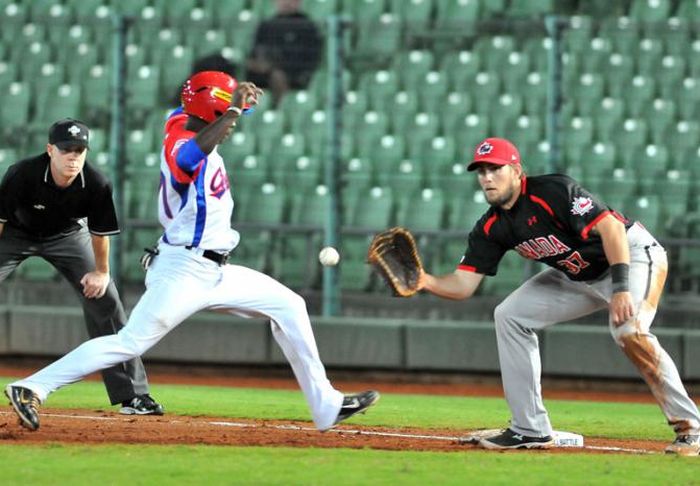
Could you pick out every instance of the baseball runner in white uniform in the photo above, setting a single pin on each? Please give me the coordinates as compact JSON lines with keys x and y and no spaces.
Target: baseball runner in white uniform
{"x":189,"y":272}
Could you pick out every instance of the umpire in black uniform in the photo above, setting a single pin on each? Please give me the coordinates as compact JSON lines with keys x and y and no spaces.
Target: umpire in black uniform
{"x":58,"y":207}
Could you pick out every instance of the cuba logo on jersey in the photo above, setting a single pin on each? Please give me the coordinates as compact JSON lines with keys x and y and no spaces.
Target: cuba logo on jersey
{"x":581,"y":205}
{"x":219,"y":184}
{"x":484,"y":148}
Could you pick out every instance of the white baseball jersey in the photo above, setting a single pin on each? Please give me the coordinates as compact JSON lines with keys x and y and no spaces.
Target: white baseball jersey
{"x":194,"y":197}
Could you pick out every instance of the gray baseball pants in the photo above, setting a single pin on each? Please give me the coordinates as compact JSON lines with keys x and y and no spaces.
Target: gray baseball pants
{"x":550,"y":297}
{"x":73,"y":257}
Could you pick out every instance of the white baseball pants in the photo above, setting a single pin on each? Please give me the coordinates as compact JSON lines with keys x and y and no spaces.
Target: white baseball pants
{"x":550,"y":297}
{"x":180,"y":283}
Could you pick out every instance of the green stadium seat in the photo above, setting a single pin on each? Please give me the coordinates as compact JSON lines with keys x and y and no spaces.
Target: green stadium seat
{"x":537,"y":50}
{"x":676,"y":34}
{"x":689,"y":11}
{"x":595,"y":57}
{"x":129,"y":7}
{"x":310,"y":206}
{"x":140,"y":193}
{"x":8,"y":74}
{"x":670,"y":75}
{"x":355,"y":273}
{"x":388,"y":152}
{"x":249,"y":174}
{"x":524,"y":130}
{"x":403,"y":177}
{"x":648,"y":56}
{"x":673,"y":189}
{"x":649,"y":163}
{"x":96,"y":88}
{"x":683,"y":135}
{"x":422,"y":210}
{"x":266,"y":204}
{"x":357,"y":174}
{"x":254,"y":249}
{"x":31,"y":58}
{"x":694,"y":60}
{"x":530,"y":8}
{"x":404,"y":108}
{"x":320,"y":10}
{"x":466,"y":209}
{"x":319,"y":83}
{"x":534,"y":93}
{"x":650,"y":10}
{"x":14,"y":113}
{"x":647,"y":210}
{"x":48,"y":78}
{"x":515,"y":71}
{"x":617,"y":187}
{"x":302,"y":173}
{"x":242,"y":30}
{"x":578,"y":34}
{"x":638,"y":95}
{"x":412,"y":67}
{"x":354,"y":108}
{"x":622,"y":33}
{"x":8,"y":157}
{"x":449,"y":256}
{"x":484,"y":89}
{"x":460,"y":67}
{"x":14,"y":13}
{"x":688,"y":98}
{"x":660,"y":113}
{"x":470,"y":130}
{"x":139,"y":143}
{"x":505,"y":109}
{"x":576,"y":136}
{"x":143,"y":92}
{"x":588,"y":89}
{"x":510,"y":275}
{"x":494,"y":51}
{"x":175,"y":66}
{"x":436,"y":154}
{"x":598,"y":159}
{"x":619,"y":72}
{"x":373,"y":127}
{"x":631,"y":135}
{"x":460,"y":15}
{"x":433,"y":92}
{"x":61,"y":102}
{"x":38,"y":269}
{"x":270,"y":124}
{"x":294,"y":262}
{"x":297,"y":107}
{"x":373,"y":209}
{"x":285,"y":150}
{"x":458,"y":104}
{"x":237,"y":147}
{"x":378,"y":37}
{"x":608,"y":114}
{"x":206,"y":41}
{"x":453,"y":180}
{"x":380,"y":86}
{"x":415,"y":14}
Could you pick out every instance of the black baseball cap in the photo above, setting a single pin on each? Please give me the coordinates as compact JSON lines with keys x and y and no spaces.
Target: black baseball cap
{"x":69,"y":133}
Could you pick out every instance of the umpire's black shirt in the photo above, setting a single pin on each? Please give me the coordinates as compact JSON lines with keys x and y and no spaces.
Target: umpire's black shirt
{"x":31,"y":201}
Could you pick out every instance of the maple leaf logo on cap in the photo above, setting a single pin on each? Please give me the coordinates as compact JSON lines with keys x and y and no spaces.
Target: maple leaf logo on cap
{"x":484,"y":148}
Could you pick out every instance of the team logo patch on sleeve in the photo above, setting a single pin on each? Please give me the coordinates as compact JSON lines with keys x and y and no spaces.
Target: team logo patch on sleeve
{"x":581,"y":205}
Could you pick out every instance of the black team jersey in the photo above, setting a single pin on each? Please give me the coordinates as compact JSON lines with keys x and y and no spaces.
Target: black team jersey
{"x":551,"y":222}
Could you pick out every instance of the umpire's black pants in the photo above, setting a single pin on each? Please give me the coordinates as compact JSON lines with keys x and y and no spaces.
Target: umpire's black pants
{"x":73,"y":257}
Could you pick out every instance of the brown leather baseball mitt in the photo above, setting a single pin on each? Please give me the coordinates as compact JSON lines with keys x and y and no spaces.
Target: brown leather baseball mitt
{"x":394,"y":255}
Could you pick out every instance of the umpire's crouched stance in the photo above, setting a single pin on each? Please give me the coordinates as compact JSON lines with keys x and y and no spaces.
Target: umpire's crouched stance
{"x":44,"y":201}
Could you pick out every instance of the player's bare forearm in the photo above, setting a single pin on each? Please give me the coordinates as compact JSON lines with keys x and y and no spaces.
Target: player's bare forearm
{"x":214,"y":133}
{"x":100,"y":246}
{"x":459,"y":285}
{"x":614,"y":236}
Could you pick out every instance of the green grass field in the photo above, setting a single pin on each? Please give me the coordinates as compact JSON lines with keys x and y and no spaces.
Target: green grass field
{"x":178,"y":464}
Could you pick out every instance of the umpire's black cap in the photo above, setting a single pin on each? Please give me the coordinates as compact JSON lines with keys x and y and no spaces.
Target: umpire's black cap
{"x":69,"y":133}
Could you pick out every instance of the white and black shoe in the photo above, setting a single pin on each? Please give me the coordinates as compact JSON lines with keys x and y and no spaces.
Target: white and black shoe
{"x":26,"y":405}
{"x":509,"y":439}
{"x":141,"y":405}
{"x":685,"y":445}
{"x":356,"y":403}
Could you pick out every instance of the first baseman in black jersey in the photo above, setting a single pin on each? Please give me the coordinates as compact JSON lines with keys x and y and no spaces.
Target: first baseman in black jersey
{"x":598,"y":259}
{"x":57,"y":207}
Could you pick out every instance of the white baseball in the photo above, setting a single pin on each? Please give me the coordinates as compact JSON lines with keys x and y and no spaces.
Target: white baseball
{"x":329,"y":256}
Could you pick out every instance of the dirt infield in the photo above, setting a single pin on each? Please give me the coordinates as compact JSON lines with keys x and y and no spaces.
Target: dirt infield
{"x":101,"y":427}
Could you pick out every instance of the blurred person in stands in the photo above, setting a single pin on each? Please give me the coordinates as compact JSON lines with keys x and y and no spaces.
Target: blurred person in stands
{"x":286,"y":50}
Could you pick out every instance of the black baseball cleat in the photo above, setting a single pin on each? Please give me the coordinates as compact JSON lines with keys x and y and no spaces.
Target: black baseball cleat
{"x":511,"y":440}
{"x":141,"y":405}
{"x":685,"y":445}
{"x":356,"y":403}
{"x":25,"y":402}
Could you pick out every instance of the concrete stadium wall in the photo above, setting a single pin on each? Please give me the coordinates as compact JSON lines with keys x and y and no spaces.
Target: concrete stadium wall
{"x":343,"y":342}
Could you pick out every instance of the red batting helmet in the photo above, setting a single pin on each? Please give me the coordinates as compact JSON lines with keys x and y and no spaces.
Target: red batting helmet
{"x":207,"y":94}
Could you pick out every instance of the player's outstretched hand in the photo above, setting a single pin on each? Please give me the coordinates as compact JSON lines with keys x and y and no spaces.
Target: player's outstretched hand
{"x":94,"y":284}
{"x":246,"y":95}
